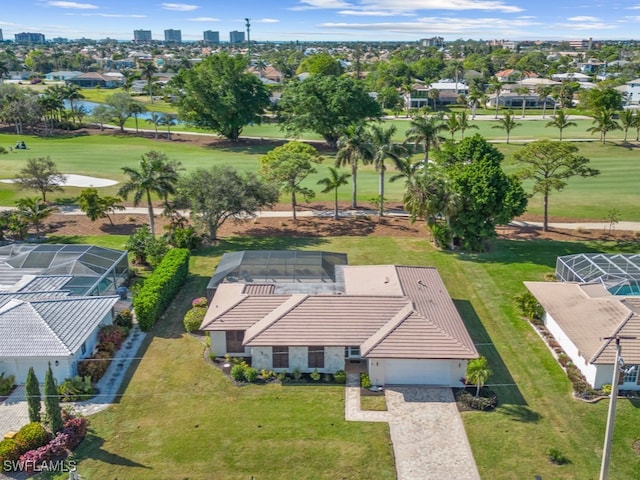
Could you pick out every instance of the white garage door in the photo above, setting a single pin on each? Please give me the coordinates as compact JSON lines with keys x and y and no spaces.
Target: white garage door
{"x":417,"y":372}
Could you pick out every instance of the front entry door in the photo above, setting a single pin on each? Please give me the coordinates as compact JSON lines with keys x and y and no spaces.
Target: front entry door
{"x":352,"y":353}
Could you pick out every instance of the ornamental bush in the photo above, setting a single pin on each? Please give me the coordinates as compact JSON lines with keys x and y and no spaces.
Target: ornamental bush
{"x":124,"y":319}
{"x":340,"y":376}
{"x":31,"y":436}
{"x":6,"y":384}
{"x":114,"y":334}
{"x":193,"y":319}
{"x":237,"y":373}
{"x":250,"y":374}
{"x":8,"y":452}
{"x":95,"y":366}
{"x":161,"y":286}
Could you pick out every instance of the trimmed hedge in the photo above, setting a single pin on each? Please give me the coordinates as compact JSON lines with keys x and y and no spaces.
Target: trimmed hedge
{"x":160,"y":288}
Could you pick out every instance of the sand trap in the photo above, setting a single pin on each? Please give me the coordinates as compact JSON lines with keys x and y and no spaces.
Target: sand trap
{"x":74,"y":180}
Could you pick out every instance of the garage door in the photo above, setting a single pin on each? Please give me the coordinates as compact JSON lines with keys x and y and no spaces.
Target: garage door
{"x":417,"y":372}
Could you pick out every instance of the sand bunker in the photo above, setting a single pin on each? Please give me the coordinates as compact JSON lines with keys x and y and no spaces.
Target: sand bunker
{"x":74,"y":180}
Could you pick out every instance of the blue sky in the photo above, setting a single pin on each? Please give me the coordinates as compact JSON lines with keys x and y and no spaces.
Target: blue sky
{"x":354,"y":20}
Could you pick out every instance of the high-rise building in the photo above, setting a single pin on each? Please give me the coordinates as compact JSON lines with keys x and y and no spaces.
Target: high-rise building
{"x":26,"y":37}
{"x":141,"y":36}
{"x":172,"y":35}
{"x":236,"y":37}
{"x":1,"y":37}
{"x":211,"y":37}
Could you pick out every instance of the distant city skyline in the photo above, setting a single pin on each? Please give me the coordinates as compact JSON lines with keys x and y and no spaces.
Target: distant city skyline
{"x":330,"y":20}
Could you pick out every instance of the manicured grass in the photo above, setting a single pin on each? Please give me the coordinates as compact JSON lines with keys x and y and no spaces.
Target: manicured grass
{"x":373,"y":402}
{"x":176,"y":403}
{"x":105,"y":155}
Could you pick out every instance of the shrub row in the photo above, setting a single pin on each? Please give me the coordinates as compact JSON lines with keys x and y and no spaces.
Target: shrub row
{"x":66,"y":440}
{"x":161,"y":286}
{"x":488,"y":400}
{"x":6,"y":384}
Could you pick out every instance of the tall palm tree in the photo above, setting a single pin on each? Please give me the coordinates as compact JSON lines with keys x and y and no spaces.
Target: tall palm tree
{"x":561,"y":121}
{"x":156,"y":174}
{"x":148,"y":70}
{"x":385,"y":148}
{"x":353,"y":147}
{"x":155,"y":119}
{"x":452,"y":124}
{"x":463,"y":122}
{"x":433,"y":94}
{"x":636,"y":124}
{"x":507,"y":123}
{"x":72,"y":92}
{"x":627,"y":119}
{"x":604,"y":123}
{"x":34,"y":210}
{"x":168,"y":120}
{"x":496,"y":87}
{"x":543,"y":92}
{"x":407,"y":169}
{"x":523,"y":92}
{"x":333,"y":182}
{"x":475,"y":97}
{"x":136,"y":108}
{"x":424,"y":131}
{"x":4,"y":70}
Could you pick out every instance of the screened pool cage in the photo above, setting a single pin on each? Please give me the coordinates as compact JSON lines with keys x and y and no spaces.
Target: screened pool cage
{"x":280,"y":267}
{"x":620,"y":274}
{"x":91,"y":270}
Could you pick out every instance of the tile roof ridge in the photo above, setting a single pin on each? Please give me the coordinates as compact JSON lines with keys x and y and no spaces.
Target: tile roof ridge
{"x":44,"y":322}
{"x":241,"y":298}
{"x":384,"y":331}
{"x":276,"y":314}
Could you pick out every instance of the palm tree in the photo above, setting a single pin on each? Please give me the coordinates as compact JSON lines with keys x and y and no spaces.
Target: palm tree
{"x":636,"y":124}
{"x":34,"y":210}
{"x":478,"y":372}
{"x":384,"y":147}
{"x":433,"y":94}
{"x":136,"y":108}
{"x":333,"y":182}
{"x":4,"y":70}
{"x":452,"y":124}
{"x":463,"y":122}
{"x":474,"y":98}
{"x":148,"y":70}
{"x":156,"y":174}
{"x":71,"y":92}
{"x":507,"y":123}
{"x":407,"y":169}
{"x":156,"y":119}
{"x":561,"y":121}
{"x":523,"y":92}
{"x":604,"y":123}
{"x":627,"y":119}
{"x":424,"y":131}
{"x":543,"y":93}
{"x":354,"y":147}
{"x":496,"y":87}
{"x":168,"y":120}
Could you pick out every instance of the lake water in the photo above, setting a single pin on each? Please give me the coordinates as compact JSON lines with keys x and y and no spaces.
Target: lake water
{"x":89,"y":106}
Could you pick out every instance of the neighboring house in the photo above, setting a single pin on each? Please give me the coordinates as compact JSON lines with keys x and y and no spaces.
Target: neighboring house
{"x":512,"y":99}
{"x":571,"y":77}
{"x":95,"y":79}
{"x":448,"y":93}
{"x":583,"y":318}
{"x":58,"y":330}
{"x":269,"y":72}
{"x":62,"y":75}
{"x":53,"y":300}
{"x":511,"y":75}
{"x":633,"y":92}
{"x":396,"y":322}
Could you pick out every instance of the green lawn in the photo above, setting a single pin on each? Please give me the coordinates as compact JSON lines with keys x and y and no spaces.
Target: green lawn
{"x":180,"y":418}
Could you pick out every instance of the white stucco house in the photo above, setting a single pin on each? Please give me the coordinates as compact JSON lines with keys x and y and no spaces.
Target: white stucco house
{"x":583,"y":318}
{"x":397,"y":322}
{"x":53,"y":301}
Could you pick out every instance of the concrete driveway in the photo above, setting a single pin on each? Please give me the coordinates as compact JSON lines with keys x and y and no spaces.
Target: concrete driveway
{"x":429,"y":441}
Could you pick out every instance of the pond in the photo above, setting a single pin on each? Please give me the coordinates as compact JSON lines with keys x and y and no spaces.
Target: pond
{"x":89,"y":106}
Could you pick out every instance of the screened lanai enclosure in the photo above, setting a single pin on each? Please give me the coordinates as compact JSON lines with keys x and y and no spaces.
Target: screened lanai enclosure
{"x":620,"y":273}
{"x":79,"y":269}
{"x":283,"y":268}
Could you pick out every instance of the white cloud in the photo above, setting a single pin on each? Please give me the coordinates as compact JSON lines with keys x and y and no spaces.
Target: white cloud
{"x":583,"y":19}
{"x":105,"y":15}
{"x":80,"y":6}
{"x":441,"y":26}
{"x":374,"y":13}
{"x":180,"y":7}
{"x":266,"y":20}
{"x":320,"y":4}
{"x":417,"y":5}
{"x":203,"y":19}
{"x":585,"y":26}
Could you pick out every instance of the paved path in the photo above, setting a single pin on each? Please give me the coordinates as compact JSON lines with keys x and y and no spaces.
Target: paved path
{"x":429,"y":441}
{"x":14,"y":411}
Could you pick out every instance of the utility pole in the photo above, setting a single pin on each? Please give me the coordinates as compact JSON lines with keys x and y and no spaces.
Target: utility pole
{"x":618,"y":367}
{"x":248,"y":25}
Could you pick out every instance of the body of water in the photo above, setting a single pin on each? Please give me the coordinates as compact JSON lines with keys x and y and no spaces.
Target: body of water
{"x":89,"y":106}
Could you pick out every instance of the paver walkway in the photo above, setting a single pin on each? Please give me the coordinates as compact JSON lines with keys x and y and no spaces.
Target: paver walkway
{"x":429,"y":441}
